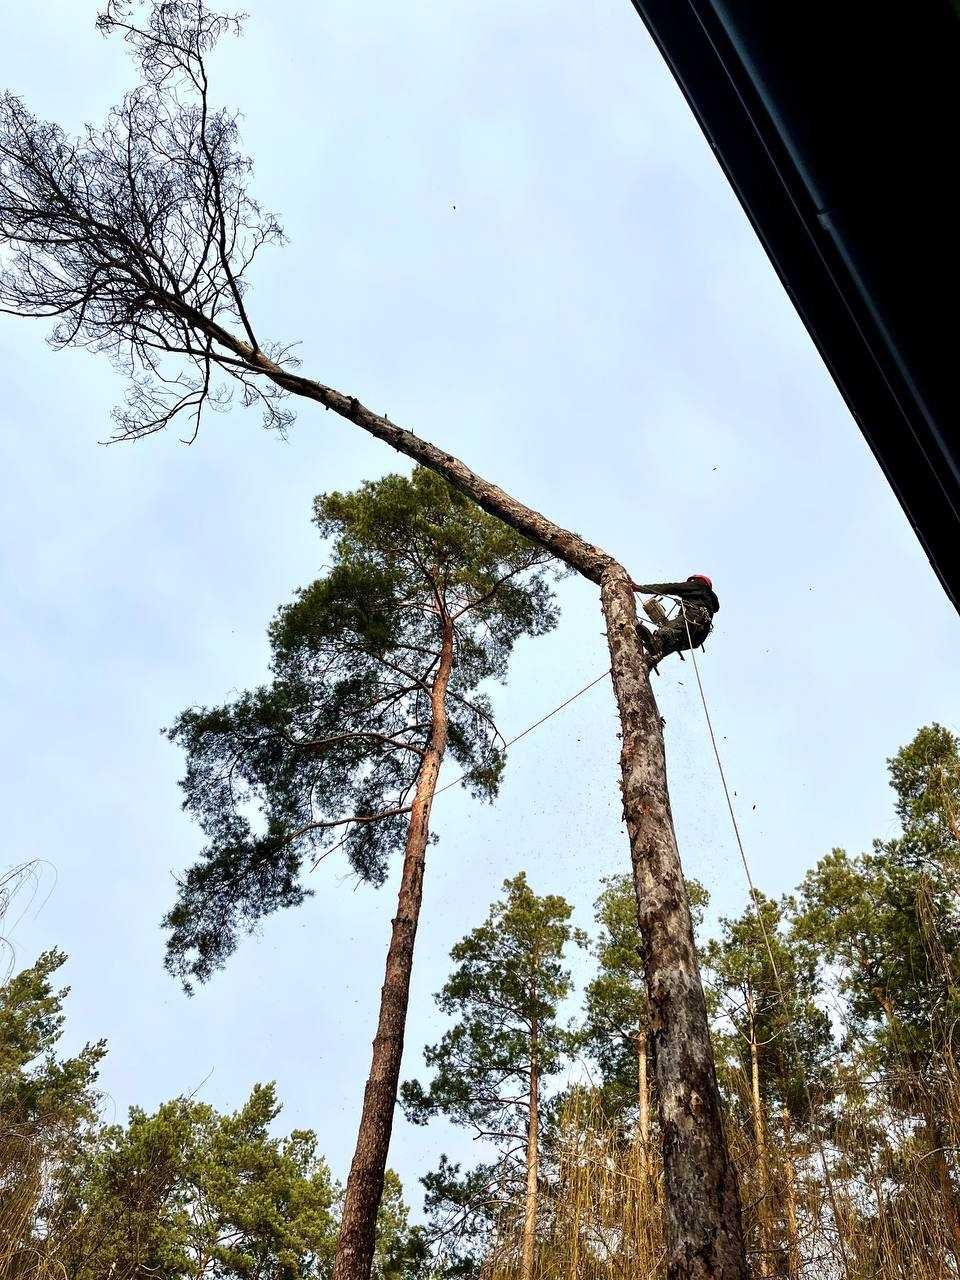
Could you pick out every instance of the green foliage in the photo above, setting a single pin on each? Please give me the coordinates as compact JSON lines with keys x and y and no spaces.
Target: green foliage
{"x":925,"y":776}
{"x":187,"y":1191}
{"x":463,"y":1208}
{"x":47,"y":1108}
{"x":327,"y":754}
{"x":889,"y":920}
{"x":37,"y":1087}
{"x":766,"y":987}
{"x":401,"y":1250}
{"x":505,"y":993}
{"x":180,"y":1192}
{"x":615,"y":1001}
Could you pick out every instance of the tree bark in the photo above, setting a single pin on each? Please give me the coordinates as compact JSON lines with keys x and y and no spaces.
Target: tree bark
{"x":528,"y":1258}
{"x":704,"y":1229}
{"x":358,"y":1224}
{"x":790,"y":1201}
{"x":760,"y":1147}
{"x":943,"y":1179}
{"x":705,"y":1234}
{"x":643,"y":1091}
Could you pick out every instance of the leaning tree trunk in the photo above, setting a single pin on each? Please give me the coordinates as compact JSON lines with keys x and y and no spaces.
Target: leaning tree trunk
{"x":533,"y":1162}
{"x":358,"y":1225}
{"x":705,"y":1235}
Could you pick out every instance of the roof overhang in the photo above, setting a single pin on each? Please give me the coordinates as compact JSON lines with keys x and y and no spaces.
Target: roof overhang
{"x":837,"y":127}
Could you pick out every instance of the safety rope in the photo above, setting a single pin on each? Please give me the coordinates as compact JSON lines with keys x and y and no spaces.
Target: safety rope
{"x":463,"y":776}
{"x":530,"y":727}
{"x":755,"y":899}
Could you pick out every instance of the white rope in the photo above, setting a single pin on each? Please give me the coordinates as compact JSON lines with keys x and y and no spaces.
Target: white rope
{"x":530,"y":727}
{"x":325,"y":853}
{"x":755,"y":899}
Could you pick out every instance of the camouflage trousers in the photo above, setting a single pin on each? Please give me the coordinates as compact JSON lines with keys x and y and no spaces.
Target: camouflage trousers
{"x":672,"y":636}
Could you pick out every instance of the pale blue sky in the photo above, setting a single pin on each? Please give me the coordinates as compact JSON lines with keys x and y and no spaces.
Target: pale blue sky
{"x":595,"y":327}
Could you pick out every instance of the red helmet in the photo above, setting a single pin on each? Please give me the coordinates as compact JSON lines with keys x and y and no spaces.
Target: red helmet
{"x":700,"y":577}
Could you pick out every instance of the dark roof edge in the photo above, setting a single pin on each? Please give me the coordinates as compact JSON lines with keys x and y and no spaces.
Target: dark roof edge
{"x":845,"y":323}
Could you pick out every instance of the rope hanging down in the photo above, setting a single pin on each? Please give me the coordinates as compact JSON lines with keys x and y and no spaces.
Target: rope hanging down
{"x":755,"y":900}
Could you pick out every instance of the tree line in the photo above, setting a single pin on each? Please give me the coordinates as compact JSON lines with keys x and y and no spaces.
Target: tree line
{"x":833,"y":1013}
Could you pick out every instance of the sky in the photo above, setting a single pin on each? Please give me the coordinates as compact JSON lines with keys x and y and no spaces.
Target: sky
{"x":505,"y":230}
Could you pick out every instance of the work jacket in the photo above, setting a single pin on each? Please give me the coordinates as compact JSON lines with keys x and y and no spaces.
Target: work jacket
{"x":696,"y":593}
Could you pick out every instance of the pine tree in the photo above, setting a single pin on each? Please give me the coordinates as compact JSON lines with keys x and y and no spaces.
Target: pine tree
{"x":889,"y":924}
{"x":187,"y":1191}
{"x":48,"y":1105}
{"x":616,"y":1025}
{"x":490,"y":1067}
{"x":766,"y":989}
{"x":377,"y":674}
{"x":182,"y":1192}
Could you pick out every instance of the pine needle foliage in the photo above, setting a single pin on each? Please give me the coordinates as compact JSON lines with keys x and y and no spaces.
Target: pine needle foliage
{"x":327,"y":754}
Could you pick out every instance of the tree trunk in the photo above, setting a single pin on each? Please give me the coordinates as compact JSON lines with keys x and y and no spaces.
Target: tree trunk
{"x":939,"y":1142}
{"x":760,"y":1147}
{"x":705,"y":1234}
{"x":358,"y":1225}
{"x":790,"y":1201}
{"x":643,"y":1091}
{"x":704,"y":1229}
{"x":533,"y":1166}
{"x":949,"y":1198}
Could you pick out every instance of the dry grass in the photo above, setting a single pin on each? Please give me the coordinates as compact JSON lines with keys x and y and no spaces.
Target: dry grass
{"x":879,"y":1217}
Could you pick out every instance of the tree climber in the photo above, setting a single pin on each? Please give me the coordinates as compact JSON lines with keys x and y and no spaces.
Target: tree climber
{"x":692,"y":623}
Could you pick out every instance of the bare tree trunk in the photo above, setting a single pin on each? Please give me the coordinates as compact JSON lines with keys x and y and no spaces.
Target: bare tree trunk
{"x":705,"y":1234}
{"x":358,"y":1225}
{"x":790,"y":1201}
{"x":643,"y":1090}
{"x":533,"y":1163}
{"x":704,"y":1229}
{"x":760,"y":1147}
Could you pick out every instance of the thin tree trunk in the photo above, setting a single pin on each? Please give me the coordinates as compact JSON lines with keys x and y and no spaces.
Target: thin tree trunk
{"x":790,"y":1201}
{"x":643,"y":1091}
{"x":949,"y":1198}
{"x":760,"y":1147}
{"x":943,"y":1178}
{"x":533,"y":1164}
{"x":705,"y":1234}
{"x":358,"y":1225}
